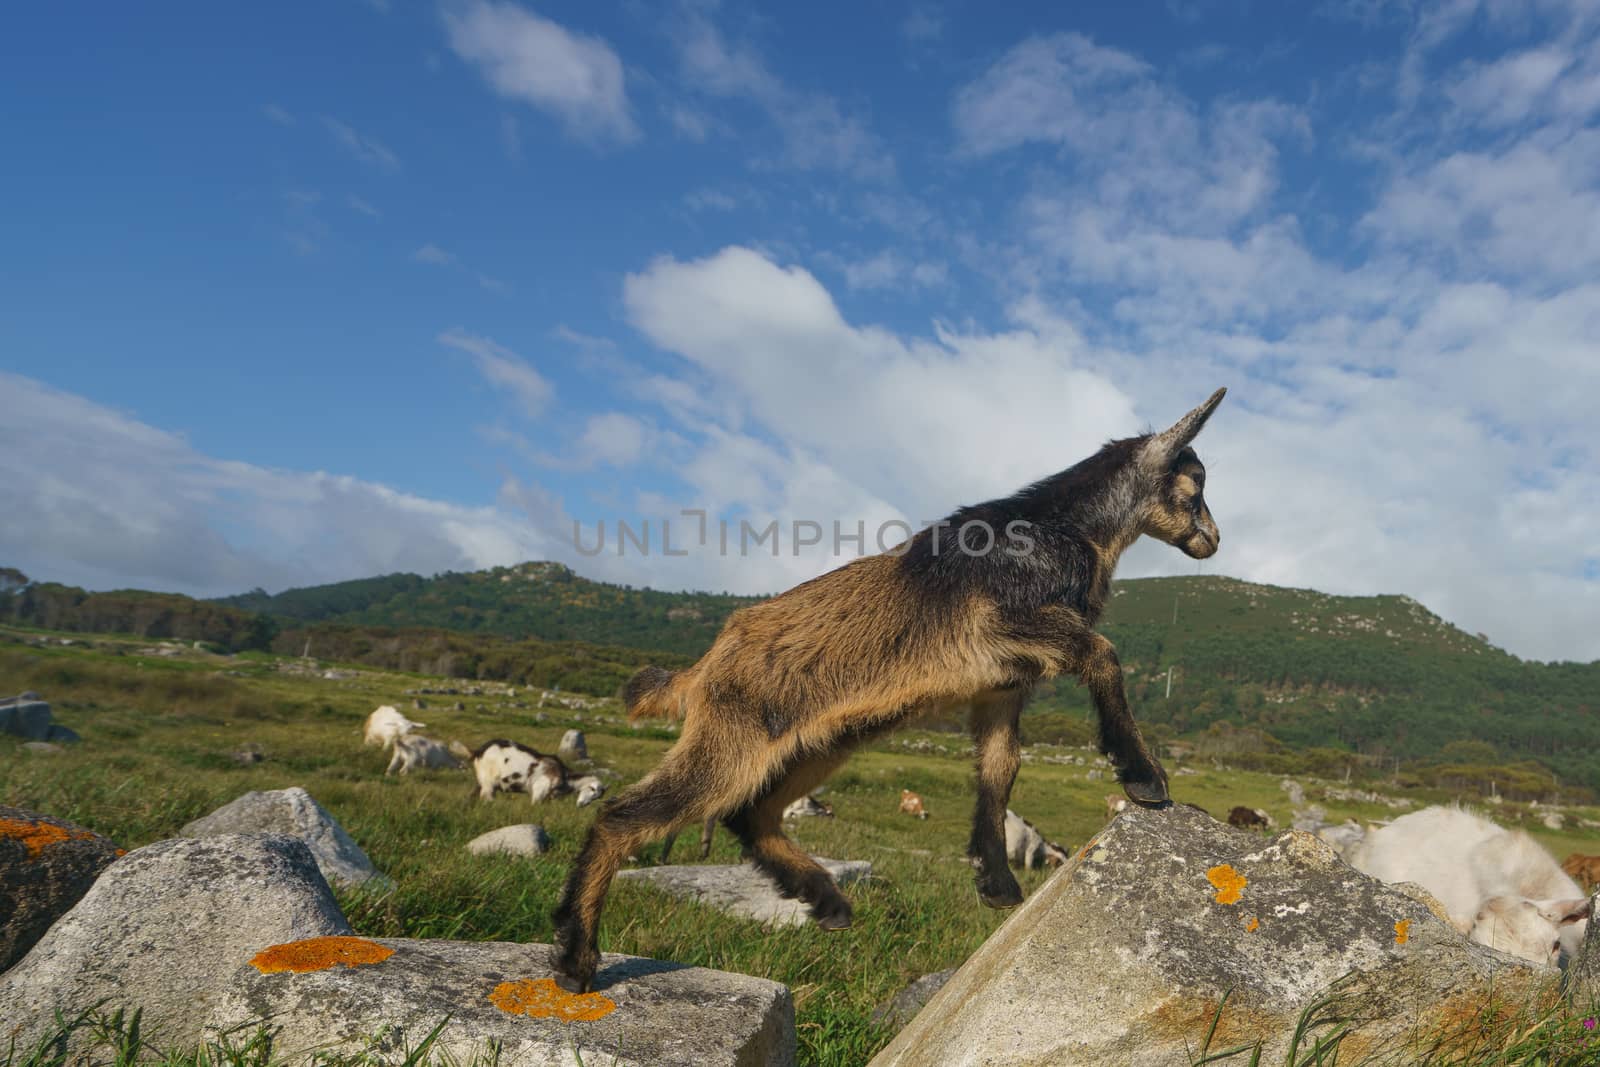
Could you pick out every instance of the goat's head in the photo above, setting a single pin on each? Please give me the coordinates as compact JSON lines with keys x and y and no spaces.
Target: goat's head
{"x":1176,"y":509}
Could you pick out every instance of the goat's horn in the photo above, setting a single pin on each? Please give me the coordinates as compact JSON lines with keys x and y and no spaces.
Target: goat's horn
{"x":1165,"y":445}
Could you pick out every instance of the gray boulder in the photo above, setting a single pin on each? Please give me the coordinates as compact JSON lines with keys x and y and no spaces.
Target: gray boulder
{"x":573,"y":746}
{"x":293,"y":811}
{"x":46,"y":866}
{"x":43,"y":748}
{"x":164,"y":928}
{"x":910,"y":1000}
{"x":643,"y":1013}
{"x":525,"y":839}
{"x":62,"y":734}
{"x":740,"y":889}
{"x":1126,"y":954}
{"x":25,"y":718}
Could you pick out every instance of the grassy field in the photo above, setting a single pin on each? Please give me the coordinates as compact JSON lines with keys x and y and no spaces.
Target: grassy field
{"x":158,"y":732}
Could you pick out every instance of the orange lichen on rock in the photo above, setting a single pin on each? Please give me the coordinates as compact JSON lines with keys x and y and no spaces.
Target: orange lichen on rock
{"x":1084,"y":851}
{"x":1402,"y":931}
{"x":1229,"y":883}
{"x":1252,"y":924}
{"x":319,"y":954}
{"x":541,"y":998}
{"x":35,"y":836}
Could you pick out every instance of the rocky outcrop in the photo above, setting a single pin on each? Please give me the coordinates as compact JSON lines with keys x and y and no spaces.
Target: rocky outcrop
{"x":1126,"y":955}
{"x":164,"y":928}
{"x":740,"y":889}
{"x":383,"y":997}
{"x":524,"y":839}
{"x":46,"y":866}
{"x":293,"y":811}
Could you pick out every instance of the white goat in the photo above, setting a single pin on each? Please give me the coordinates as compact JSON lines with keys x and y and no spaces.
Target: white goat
{"x":1027,"y":847}
{"x":1499,"y":886}
{"x":510,"y":767}
{"x":413,"y":750}
{"x":385,"y":724}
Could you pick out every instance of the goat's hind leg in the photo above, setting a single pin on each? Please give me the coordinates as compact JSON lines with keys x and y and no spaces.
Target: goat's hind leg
{"x":689,"y":785}
{"x":997,"y":747}
{"x":759,"y":827}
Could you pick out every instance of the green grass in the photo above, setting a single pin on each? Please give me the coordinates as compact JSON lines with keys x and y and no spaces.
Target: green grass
{"x":158,"y":733}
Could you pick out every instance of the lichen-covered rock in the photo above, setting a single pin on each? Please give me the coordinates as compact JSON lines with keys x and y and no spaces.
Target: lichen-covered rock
{"x":524,"y":839}
{"x":46,"y":866}
{"x":740,"y":889}
{"x":387,"y":998}
{"x":293,"y":811}
{"x":164,"y":928}
{"x":1126,"y":953}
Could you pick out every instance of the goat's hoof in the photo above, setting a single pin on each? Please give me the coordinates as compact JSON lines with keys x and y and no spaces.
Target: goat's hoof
{"x":1149,"y":794}
{"x":832,"y":915}
{"x":998,"y":894}
{"x":571,"y":984}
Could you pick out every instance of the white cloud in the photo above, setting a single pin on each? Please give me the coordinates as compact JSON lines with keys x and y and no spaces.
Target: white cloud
{"x":891,"y":270}
{"x":98,"y":498}
{"x":365,"y":208}
{"x":818,"y":132}
{"x":432,"y":254}
{"x":503,"y":369}
{"x":362,"y":147}
{"x":613,"y":440}
{"x":276,"y":114}
{"x":576,"y":77}
{"x":1325,"y":473}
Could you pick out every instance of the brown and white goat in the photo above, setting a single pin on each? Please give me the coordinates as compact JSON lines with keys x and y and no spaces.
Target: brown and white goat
{"x":948,"y":618}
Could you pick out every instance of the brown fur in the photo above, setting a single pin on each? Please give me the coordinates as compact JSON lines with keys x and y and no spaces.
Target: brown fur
{"x":793,"y":683}
{"x":1585,"y":870}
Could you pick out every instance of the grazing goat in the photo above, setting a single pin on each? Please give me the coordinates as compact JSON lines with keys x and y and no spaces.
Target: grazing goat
{"x":911,"y":804}
{"x":973,"y":611}
{"x":1585,"y":870}
{"x":1026,"y":847}
{"x":1245,"y":818}
{"x":412,"y":751}
{"x":1499,"y":886}
{"x":385,"y":724}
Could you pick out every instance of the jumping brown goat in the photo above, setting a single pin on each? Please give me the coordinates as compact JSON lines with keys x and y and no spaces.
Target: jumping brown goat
{"x":973,"y":611}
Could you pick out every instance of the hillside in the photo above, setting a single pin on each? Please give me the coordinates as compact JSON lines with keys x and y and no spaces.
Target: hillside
{"x":543,"y":600}
{"x":1260,"y":676}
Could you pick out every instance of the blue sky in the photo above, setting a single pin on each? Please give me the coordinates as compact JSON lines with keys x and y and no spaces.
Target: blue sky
{"x":307,"y":292}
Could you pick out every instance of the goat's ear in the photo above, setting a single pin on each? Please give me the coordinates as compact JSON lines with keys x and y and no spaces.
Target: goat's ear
{"x":1163,"y":447}
{"x":1562,"y":912}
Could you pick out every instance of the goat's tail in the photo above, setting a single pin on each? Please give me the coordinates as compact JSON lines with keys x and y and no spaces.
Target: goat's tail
{"x":654,"y":692}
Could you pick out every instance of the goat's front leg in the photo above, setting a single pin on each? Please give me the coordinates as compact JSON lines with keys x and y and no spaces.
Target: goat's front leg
{"x":1142,"y":777}
{"x":998,"y":751}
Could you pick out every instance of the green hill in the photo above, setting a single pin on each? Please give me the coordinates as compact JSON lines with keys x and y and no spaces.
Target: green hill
{"x":543,"y":600}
